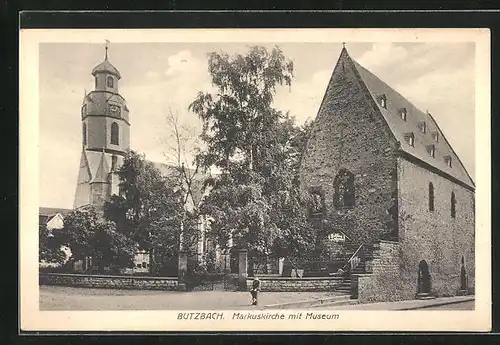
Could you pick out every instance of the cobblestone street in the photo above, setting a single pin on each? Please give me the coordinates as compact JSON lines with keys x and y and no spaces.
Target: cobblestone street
{"x":67,"y":298}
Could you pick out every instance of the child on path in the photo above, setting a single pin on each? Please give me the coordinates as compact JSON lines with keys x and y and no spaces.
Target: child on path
{"x":255,"y":290}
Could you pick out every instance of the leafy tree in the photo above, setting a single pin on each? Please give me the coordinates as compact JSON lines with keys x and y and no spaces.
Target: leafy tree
{"x":257,"y":149}
{"x":89,"y":236}
{"x":50,"y":245}
{"x":296,"y":239}
{"x":149,"y":210}
{"x":237,"y":120}
{"x":240,"y":213}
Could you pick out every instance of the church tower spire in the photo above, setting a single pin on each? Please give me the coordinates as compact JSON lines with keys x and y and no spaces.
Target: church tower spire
{"x":105,"y":136}
{"x":106,"y":47}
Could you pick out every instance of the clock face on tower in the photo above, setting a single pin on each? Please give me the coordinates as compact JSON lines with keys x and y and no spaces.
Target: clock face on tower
{"x":114,"y":110}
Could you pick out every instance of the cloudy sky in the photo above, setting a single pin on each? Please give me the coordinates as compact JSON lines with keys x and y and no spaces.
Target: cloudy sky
{"x":438,"y":77}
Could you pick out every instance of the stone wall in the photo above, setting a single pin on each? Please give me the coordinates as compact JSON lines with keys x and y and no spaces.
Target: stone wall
{"x":109,"y":282}
{"x":383,"y":284}
{"x":349,"y":133}
{"x":280,"y":284}
{"x":435,"y":236}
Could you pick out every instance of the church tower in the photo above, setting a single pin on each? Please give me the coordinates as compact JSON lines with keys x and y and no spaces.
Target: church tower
{"x":105,"y":137}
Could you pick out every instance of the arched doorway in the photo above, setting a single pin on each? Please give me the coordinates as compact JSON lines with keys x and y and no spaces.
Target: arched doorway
{"x":424,"y":278}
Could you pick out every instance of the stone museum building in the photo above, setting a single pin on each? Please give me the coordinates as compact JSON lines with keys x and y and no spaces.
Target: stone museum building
{"x":387,"y":177}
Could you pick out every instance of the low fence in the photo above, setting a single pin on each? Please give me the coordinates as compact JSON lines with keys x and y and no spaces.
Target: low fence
{"x":110,"y":282}
{"x":298,"y":284}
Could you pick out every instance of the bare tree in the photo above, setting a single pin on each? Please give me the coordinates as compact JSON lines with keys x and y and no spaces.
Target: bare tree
{"x":182,"y":146}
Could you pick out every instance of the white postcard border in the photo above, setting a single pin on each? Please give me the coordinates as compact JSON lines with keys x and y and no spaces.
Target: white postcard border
{"x":34,"y":319}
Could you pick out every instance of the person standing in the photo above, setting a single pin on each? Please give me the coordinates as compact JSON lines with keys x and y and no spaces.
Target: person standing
{"x":255,"y":290}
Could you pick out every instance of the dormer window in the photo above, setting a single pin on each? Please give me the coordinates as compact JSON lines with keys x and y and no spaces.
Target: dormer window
{"x":410,"y":139}
{"x":382,"y":99}
{"x":403,"y":113}
{"x":431,"y":149}
{"x":422,"y":126}
{"x":435,"y":136}
{"x":447,"y":160}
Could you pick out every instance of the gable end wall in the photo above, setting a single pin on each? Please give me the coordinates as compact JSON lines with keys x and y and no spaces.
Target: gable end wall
{"x":349,"y":133}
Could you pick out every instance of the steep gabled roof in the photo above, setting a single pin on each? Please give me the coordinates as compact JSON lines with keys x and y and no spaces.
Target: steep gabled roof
{"x":84,"y":173}
{"x":394,"y":104}
{"x":102,"y":173}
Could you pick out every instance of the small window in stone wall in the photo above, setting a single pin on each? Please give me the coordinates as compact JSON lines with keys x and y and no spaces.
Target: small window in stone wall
{"x":453,"y":205}
{"x":435,"y":136}
{"x":431,"y":197}
{"x":114,"y":159}
{"x":344,"y":189}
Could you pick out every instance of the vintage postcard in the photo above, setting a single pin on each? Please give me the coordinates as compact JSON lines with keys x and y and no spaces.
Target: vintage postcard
{"x":255,"y":180}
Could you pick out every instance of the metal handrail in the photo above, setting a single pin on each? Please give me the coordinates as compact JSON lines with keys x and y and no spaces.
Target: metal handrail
{"x":352,"y":257}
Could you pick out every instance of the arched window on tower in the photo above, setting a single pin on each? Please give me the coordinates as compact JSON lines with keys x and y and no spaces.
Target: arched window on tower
{"x":453,"y":205}
{"x":109,"y":81}
{"x":344,"y":189}
{"x":115,"y":133}
{"x":431,"y":197}
{"x":84,"y":133}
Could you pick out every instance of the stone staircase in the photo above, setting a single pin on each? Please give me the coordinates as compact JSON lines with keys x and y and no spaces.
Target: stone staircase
{"x":356,"y":264}
{"x":345,"y":287}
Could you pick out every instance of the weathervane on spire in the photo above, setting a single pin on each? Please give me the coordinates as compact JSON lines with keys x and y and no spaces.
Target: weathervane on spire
{"x":343,"y":45}
{"x":106,"y":47}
